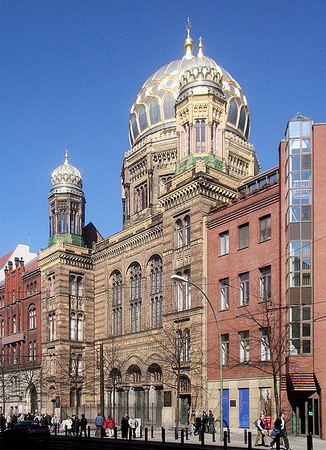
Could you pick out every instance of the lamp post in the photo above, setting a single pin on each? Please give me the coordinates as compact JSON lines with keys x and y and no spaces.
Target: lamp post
{"x":179,"y":278}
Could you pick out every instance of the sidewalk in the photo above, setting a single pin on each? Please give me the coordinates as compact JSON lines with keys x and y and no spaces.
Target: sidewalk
{"x":237,"y":440}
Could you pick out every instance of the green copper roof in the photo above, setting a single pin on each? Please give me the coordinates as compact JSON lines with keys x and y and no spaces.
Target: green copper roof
{"x":190,"y":161}
{"x":68,"y":238}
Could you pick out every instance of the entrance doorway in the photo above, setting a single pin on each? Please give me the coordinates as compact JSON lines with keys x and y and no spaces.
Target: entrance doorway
{"x":185,"y":403}
{"x":305,"y":416}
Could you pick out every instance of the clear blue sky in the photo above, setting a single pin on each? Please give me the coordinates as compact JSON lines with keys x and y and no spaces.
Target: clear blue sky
{"x":70,"y":70}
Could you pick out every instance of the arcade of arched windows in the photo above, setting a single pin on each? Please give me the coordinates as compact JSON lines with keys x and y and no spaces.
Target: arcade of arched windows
{"x":133,"y":287}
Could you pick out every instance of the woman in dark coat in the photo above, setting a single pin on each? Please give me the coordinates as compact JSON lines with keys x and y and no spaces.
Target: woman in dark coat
{"x":124,"y":426}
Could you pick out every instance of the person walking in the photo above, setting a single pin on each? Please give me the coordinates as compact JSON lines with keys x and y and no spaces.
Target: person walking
{"x":280,"y":427}
{"x":83,"y":425}
{"x":260,"y":425}
{"x":192,"y":423}
{"x":99,"y":420}
{"x":124,"y":426}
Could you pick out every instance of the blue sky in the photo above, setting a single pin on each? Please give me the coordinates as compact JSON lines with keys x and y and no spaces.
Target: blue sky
{"x":70,"y":70}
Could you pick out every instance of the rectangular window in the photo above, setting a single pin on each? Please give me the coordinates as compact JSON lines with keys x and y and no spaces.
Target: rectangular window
{"x":265,"y":228}
{"x":244,"y":346}
{"x":300,"y":330}
{"x":224,"y":243}
{"x":225,"y":343}
{"x":244,"y":288}
{"x":244,"y":236}
{"x":265,"y":283}
{"x":265,"y":351}
{"x":224,"y":293}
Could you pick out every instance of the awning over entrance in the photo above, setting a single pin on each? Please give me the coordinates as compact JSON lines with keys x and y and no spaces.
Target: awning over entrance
{"x":302,"y":382}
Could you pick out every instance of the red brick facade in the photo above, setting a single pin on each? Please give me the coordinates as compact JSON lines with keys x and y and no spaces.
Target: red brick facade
{"x":20,"y":336}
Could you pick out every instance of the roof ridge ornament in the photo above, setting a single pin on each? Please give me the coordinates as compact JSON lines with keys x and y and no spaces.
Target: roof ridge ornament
{"x":66,"y":157}
{"x":189,"y":43}
{"x":200,"y":47}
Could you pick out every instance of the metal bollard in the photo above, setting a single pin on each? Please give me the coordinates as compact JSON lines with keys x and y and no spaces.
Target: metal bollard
{"x":229,"y":436}
{"x":146,"y":434}
{"x":309,"y":442}
{"x":152,"y":432}
{"x":102,"y":433}
{"x":130,"y":434}
{"x":187,"y":434}
{"x":66,"y":430}
{"x":140,"y":431}
{"x":176,"y":434}
{"x":214,"y":435}
{"x":245,"y":435}
{"x":249,"y":440}
{"x":115,"y":432}
{"x":89,"y":431}
{"x":55,"y":429}
{"x":202,"y":438}
{"x":182,"y":434}
{"x":163,"y":435}
{"x":225,"y":439}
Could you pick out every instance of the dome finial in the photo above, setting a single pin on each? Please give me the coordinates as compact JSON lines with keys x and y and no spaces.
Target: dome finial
{"x":66,"y":157}
{"x":189,"y":43}
{"x":200,"y":48}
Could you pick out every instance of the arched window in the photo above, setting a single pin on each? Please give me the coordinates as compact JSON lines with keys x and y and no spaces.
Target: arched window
{"x":80,"y":326}
{"x":156,"y":275}
{"x":247,"y":128}
{"x":187,"y":230}
{"x":184,"y":291}
{"x":134,"y":373}
{"x":200,"y":127}
{"x":32,"y":317}
{"x":72,"y":285}
{"x":233,"y":112}
{"x":154,"y":112}
{"x":168,"y":107}
{"x":135,"y":282}
{"x":185,"y":385}
{"x":72,"y":326}
{"x":242,"y":119}
{"x":142,"y":119}
{"x":116,"y":283}
{"x":179,"y":233}
{"x":134,"y":126}
{"x":135,"y":297}
{"x":79,"y":286}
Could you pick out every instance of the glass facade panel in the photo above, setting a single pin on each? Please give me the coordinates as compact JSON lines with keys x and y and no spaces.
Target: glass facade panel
{"x":294,"y":129}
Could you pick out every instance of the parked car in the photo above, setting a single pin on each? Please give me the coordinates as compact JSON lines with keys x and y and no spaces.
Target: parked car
{"x":27,"y":430}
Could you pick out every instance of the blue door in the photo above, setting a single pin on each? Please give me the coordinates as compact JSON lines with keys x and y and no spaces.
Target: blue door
{"x":244,"y":408}
{"x":226,"y":405}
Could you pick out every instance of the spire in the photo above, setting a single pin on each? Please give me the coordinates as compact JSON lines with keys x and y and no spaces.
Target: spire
{"x":189,"y":43}
{"x":200,"y":48}
{"x":66,"y":157}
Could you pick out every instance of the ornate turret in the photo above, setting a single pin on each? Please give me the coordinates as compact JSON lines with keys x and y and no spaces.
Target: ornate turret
{"x":66,"y":204}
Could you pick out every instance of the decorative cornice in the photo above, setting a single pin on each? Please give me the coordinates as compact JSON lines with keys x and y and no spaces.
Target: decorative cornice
{"x":106,"y":249}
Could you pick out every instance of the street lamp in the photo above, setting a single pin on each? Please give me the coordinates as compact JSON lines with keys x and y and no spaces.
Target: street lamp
{"x":179,"y":278}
